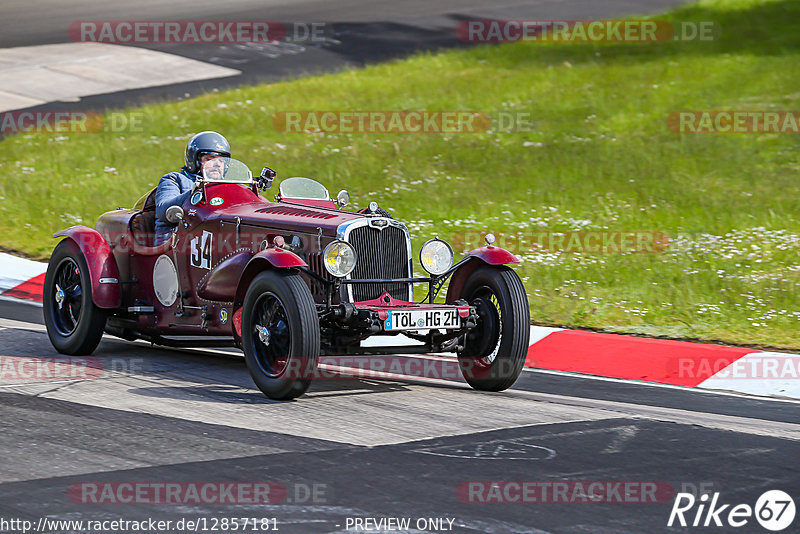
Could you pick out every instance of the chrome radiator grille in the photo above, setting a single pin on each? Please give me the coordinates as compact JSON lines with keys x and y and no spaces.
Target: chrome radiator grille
{"x":381,"y":254}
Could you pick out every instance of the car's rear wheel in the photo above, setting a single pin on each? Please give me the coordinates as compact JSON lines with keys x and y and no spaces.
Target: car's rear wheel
{"x":74,"y":324}
{"x":495,"y":350}
{"x":280,"y":334}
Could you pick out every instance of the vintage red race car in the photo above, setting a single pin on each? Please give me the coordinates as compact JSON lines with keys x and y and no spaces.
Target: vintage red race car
{"x":284,"y":280}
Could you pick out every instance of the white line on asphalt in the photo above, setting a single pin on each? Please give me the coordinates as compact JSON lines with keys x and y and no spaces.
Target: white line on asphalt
{"x":21,"y":301}
{"x":659,"y":385}
{"x":34,"y":75}
{"x":745,"y":425}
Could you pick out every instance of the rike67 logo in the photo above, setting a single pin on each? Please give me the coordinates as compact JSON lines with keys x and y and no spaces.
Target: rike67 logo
{"x":774,"y":510}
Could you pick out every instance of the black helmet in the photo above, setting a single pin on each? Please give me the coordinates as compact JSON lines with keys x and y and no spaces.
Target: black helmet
{"x":204,"y":143}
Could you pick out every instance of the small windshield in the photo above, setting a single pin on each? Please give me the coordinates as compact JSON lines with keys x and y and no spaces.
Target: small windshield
{"x":226,"y":170}
{"x":306,"y":188}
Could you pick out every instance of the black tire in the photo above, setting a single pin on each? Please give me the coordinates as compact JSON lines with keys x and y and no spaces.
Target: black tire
{"x":283,"y":360}
{"x":495,"y":350}
{"x":74,"y":324}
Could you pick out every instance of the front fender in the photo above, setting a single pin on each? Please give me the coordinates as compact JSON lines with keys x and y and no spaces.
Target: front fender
{"x":280,"y":258}
{"x":492,"y":255}
{"x":488,"y":255}
{"x":275,"y":258}
{"x":103,"y":270}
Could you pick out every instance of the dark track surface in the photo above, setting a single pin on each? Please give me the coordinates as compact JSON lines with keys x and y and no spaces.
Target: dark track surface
{"x":190,"y":416}
{"x":357,"y":32}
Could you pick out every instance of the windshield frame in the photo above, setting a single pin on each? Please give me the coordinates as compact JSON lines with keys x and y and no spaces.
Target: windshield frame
{"x":244,"y":181}
{"x":283,"y":196}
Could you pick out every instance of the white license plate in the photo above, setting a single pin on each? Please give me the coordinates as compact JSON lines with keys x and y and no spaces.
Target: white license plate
{"x":422,"y":320}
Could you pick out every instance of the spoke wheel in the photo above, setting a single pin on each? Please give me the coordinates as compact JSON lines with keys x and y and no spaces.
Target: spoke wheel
{"x":67,"y":296}
{"x":273,"y":334}
{"x":74,"y":324}
{"x":495,"y":349}
{"x":280,"y":334}
{"x":485,"y":338}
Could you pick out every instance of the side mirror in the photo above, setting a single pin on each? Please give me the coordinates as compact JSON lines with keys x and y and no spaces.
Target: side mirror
{"x":342,"y":198}
{"x":174,"y":214}
{"x":266,"y":177}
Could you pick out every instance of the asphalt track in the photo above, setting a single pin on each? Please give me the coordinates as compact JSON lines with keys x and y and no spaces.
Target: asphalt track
{"x":356,"y":33}
{"x":373,"y":447}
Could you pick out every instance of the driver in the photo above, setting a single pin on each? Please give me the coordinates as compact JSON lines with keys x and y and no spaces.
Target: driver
{"x":175,"y":187}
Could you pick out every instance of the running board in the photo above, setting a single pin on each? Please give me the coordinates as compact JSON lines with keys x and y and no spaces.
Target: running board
{"x":141,"y":309}
{"x":191,"y":342}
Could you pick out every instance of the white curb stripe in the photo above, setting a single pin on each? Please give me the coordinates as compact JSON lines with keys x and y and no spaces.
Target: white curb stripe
{"x":760,"y":373}
{"x":15,"y":271}
{"x":538,"y":333}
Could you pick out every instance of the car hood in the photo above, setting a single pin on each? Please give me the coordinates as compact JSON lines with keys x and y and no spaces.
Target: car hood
{"x":295,"y":217}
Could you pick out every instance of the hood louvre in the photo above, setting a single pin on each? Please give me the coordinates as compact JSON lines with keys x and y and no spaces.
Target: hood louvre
{"x":297,"y":212}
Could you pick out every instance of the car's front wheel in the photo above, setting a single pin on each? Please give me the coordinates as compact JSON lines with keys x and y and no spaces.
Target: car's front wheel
{"x":74,"y":324}
{"x":495,"y":350}
{"x":280,"y":334}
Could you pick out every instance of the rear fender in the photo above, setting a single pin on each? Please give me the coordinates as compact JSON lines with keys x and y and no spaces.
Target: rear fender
{"x":271,"y":258}
{"x":488,"y":255}
{"x":103,"y":270}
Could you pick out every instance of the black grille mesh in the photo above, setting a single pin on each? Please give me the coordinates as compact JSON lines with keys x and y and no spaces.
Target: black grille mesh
{"x":381,"y":254}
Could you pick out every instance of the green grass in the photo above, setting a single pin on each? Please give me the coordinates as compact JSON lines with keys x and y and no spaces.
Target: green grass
{"x":600,"y":156}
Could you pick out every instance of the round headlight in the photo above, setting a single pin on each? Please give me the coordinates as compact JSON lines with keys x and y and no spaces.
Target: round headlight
{"x":339,"y":258}
{"x":436,"y":256}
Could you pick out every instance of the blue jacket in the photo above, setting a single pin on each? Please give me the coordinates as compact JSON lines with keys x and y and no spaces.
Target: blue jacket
{"x":173,"y":190}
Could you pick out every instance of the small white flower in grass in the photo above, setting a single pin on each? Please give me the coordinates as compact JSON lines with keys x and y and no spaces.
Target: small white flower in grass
{"x":222,"y":106}
{"x":111,"y":170}
{"x":280,"y":146}
{"x":532,"y":143}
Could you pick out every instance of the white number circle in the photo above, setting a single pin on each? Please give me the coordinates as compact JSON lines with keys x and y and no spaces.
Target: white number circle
{"x":775,"y":510}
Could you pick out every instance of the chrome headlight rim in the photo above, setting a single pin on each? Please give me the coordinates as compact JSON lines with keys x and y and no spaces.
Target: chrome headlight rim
{"x":328,"y":247}
{"x":449,"y":248}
